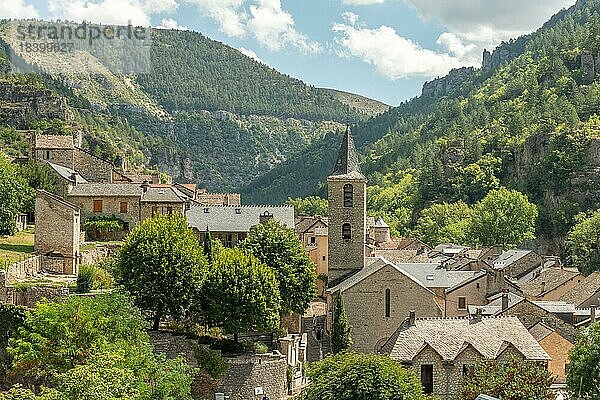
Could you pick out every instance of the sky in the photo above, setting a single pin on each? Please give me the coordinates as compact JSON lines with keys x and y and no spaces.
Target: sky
{"x":383,"y":49}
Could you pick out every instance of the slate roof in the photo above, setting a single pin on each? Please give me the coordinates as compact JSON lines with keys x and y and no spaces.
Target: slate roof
{"x":540,"y":331}
{"x":436,"y":276}
{"x":303,"y":224}
{"x":380,"y":223}
{"x":583,"y":290}
{"x":54,"y":142}
{"x":556,"y":307}
{"x":163,"y":195}
{"x":66,"y":173}
{"x":401,"y":256}
{"x":548,"y":280}
{"x":450,"y":336}
{"x":107,"y":189}
{"x":508,"y":257}
{"x":229,"y":219}
{"x":450,"y":249}
{"x":347,"y":165}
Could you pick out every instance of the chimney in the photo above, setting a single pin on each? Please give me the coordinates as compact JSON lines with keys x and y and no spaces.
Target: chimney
{"x":504,"y":299}
{"x":411,"y":318}
{"x":543,"y":287}
{"x":74,"y":178}
{"x":593,"y":313}
{"x":265,"y":217}
{"x":478,"y":316}
{"x":145,"y":186}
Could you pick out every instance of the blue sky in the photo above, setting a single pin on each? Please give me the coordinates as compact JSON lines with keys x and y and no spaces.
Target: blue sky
{"x":384,"y":49}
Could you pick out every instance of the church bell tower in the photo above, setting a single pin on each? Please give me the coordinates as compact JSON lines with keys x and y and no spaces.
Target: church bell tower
{"x":347,"y":195}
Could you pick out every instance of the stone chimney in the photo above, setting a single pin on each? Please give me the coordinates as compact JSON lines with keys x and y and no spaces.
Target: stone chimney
{"x":504,"y":299}
{"x":543,"y":289}
{"x":478,"y":316}
{"x":265,"y":217}
{"x":411,"y":318}
{"x":145,"y":186}
{"x":593,"y":313}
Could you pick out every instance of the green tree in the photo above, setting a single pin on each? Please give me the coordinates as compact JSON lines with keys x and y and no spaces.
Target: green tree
{"x":208,"y":248}
{"x":513,"y":379}
{"x":162,"y":265}
{"x":309,"y":206}
{"x":351,"y":376}
{"x":13,"y":193}
{"x":37,"y":177}
{"x":444,"y":223}
{"x":583,"y":375}
{"x":241,"y":293}
{"x":475,"y":180}
{"x":278,"y":247}
{"x":504,"y":217}
{"x":583,"y":243}
{"x":340,"y":330}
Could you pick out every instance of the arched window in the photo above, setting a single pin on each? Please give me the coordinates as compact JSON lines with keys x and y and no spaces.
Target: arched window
{"x":346,"y":231}
{"x":388,"y":300}
{"x":348,"y":194}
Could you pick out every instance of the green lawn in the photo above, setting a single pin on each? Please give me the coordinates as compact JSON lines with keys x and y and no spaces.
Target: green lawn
{"x":17,"y":247}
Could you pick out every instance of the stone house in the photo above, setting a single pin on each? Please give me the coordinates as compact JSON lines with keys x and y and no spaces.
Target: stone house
{"x":231,"y":224}
{"x":551,"y":283}
{"x":518,"y":263}
{"x":58,"y":232}
{"x":217,"y":199}
{"x":377,"y":299}
{"x":442,"y":350}
{"x":312,"y":232}
{"x":586,"y":293}
{"x":556,"y":346}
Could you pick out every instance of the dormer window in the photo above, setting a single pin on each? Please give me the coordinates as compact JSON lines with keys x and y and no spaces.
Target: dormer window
{"x":348,"y":195}
{"x":206,"y":210}
{"x":238,"y":210}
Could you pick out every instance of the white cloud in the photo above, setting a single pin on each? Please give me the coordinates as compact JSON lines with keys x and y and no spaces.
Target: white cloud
{"x":160,"y":6}
{"x":170,"y":23}
{"x":274,"y":28}
{"x":392,"y":55}
{"x":116,"y":12}
{"x":361,"y":2}
{"x":251,"y":54}
{"x":17,"y":9}
{"x":455,"y":46}
{"x":228,"y":14}
{"x":487,"y":23}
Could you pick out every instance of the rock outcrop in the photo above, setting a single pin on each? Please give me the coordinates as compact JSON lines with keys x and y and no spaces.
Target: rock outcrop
{"x":448,"y":84}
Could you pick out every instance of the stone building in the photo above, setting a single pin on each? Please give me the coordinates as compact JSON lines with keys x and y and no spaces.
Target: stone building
{"x":347,"y":194}
{"x":217,"y":199}
{"x":518,"y":263}
{"x":231,"y":224}
{"x":442,"y":350}
{"x":551,"y":283}
{"x":312,"y":232}
{"x":58,"y":232}
{"x":586,"y":293}
{"x":557,"y":347}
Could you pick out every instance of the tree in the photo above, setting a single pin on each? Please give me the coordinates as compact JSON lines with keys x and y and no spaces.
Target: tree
{"x":208,"y":251}
{"x":583,"y":243}
{"x":504,"y":217}
{"x":583,"y":375}
{"x":13,"y":193}
{"x":162,"y":265}
{"x":340,"y":330}
{"x":513,"y":379}
{"x":351,"y":376}
{"x":37,"y":177}
{"x":278,"y":247}
{"x":309,"y":206}
{"x":241,"y":293}
{"x":444,"y":223}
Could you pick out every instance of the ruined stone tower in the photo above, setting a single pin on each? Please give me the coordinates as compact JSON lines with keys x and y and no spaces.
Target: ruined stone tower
{"x":347,"y":194}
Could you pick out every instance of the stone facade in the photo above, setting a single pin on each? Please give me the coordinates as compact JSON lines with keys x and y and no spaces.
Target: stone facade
{"x":58,"y":231}
{"x":558,"y":349}
{"x":366,"y":307}
{"x":346,"y":255}
{"x":92,"y":168}
{"x":29,"y":296}
{"x":111,"y":206}
{"x":473,"y":293}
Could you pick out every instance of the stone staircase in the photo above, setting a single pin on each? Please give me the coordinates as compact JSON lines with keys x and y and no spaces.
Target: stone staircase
{"x":317,"y":347}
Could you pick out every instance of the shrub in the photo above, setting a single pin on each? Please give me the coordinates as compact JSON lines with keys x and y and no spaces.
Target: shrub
{"x":210,"y":361}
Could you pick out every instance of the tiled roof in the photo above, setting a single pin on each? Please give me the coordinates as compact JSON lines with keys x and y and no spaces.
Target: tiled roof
{"x":347,"y":165}
{"x":540,"y":331}
{"x":380,"y":223}
{"x":556,"y":307}
{"x":160,"y":194}
{"x":450,"y":249}
{"x":107,"y":189}
{"x":508,"y":257}
{"x":303,"y":224}
{"x":450,"y":336}
{"x":66,"y":173}
{"x":402,"y":256}
{"x":548,"y":280}
{"x":583,"y":290}
{"x":236,"y":218}
{"x":54,"y":142}
{"x":436,"y":276}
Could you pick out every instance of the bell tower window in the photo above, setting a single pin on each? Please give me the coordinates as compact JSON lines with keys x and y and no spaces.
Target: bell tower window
{"x":346,"y":231}
{"x":348,"y":195}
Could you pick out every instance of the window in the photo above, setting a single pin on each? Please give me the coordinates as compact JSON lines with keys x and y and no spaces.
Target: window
{"x":169,"y":210}
{"x":155,"y":210}
{"x":97,"y":206}
{"x":206,"y":210}
{"x":348,"y":194}
{"x":462,"y":303}
{"x":388,"y":300}
{"x":238,"y":210}
{"x":123,"y":207}
{"x":313,"y":240}
{"x":427,"y":378}
{"x":346,"y":231}
{"x":47,"y":155}
{"x":323,"y":258}
{"x":467,"y":369}
{"x":478,"y":285}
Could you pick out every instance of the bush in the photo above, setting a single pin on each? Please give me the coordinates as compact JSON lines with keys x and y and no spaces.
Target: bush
{"x":210,"y":361}
{"x":103,"y":224}
{"x":93,"y":277}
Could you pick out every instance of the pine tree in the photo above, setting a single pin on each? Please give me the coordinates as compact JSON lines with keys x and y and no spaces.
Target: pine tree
{"x":208,"y":246}
{"x":340,"y":335}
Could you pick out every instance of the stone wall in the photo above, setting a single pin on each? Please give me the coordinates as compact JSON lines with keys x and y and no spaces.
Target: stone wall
{"x":558,"y":349}
{"x":474,"y":294}
{"x":161,"y":208}
{"x":346,"y":255}
{"x":111,"y":205}
{"x":92,"y":168}
{"x":523,"y":265}
{"x":28,"y":296}
{"x":98,"y":254}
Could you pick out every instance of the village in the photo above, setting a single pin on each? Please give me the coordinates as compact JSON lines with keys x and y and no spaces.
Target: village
{"x":436,"y":311}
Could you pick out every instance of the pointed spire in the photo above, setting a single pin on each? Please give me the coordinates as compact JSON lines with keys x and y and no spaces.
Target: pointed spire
{"x":347,"y":161}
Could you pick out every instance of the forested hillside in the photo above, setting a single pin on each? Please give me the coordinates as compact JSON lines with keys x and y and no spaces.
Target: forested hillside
{"x":527,"y":120}
{"x":203,"y":112}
